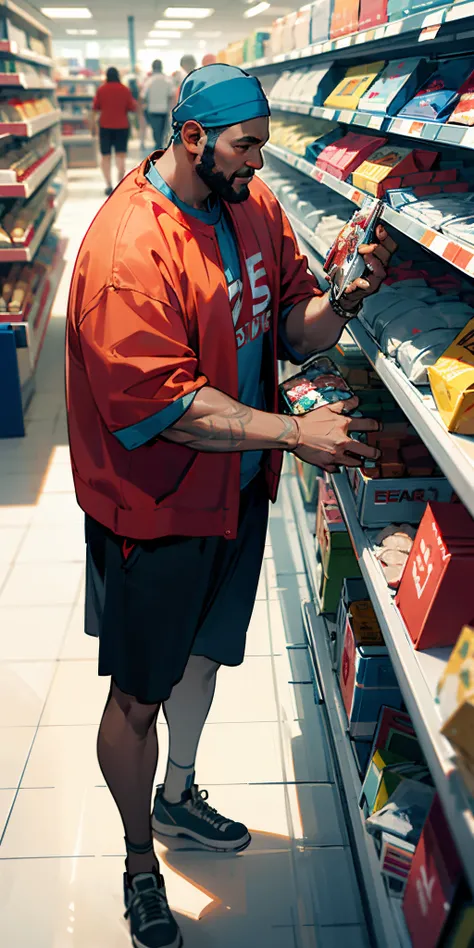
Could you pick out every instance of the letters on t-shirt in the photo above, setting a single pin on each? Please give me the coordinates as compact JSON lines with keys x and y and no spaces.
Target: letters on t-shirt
{"x":251,"y":329}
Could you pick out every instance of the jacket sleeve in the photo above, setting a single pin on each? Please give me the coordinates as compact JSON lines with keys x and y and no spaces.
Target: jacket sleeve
{"x":141,"y":368}
{"x":297,"y":284}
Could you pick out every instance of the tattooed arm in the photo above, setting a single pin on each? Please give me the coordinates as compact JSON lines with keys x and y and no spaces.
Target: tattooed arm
{"x":216,"y":422}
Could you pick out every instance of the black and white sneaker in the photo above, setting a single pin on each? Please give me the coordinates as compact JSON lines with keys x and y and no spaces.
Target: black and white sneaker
{"x":195,"y":819}
{"x":151,"y":923}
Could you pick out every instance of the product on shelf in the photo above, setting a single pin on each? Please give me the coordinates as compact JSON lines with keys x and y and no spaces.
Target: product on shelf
{"x":395,"y":85}
{"x":434,"y":597}
{"x":396,"y":856}
{"x":463,"y":113}
{"x":452,"y":383}
{"x":461,"y":928}
{"x":21,"y":110}
{"x":353,"y":590}
{"x":254,"y":46}
{"x":367,"y":681}
{"x":434,"y":877}
{"x":435,"y":100}
{"x":343,"y":156}
{"x":395,"y":733}
{"x":393,"y":166}
{"x":385,"y":773}
{"x":317,"y":385}
{"x":405,"y":813}
{"x":344,"y":19}
{"x":344,"y":263}
{"x":320,"y":20}
{"x":356,"y":82}
{"x":395,"y":542}
{"x":455,"y":696}
{"x":302,"y":28}
{"x":335,"y":548}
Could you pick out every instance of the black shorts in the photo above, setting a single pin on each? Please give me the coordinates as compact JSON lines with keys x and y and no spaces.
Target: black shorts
{"x":171,"y":598}
{"x":113,"y":138}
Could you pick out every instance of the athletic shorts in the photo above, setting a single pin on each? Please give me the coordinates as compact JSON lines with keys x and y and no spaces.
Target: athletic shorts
{"x":116,"y":138}
{"x":158,"y":602}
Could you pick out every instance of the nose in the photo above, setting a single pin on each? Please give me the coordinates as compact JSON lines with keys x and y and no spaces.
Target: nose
{"x":256,"y":161}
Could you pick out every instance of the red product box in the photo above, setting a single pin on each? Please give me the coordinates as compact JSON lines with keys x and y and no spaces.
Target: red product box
{"x":372,"y":13}
{"x":434,"y":877}
{"x":396,"y":733}
{"x":435,"y":593}
{"x":347,"y":153}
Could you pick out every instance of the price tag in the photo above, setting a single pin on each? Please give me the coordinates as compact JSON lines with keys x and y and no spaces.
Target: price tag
{"x":317,"y":111}
{"x":318,"y":175}
{"x":433,"y":19}
{"x":363,"y":119}
{"x":379,"y":33}
{"x":469,"y":266}
{"x":357,"y":197}
{"x":459,"y":11}
{"x":376,"y":121}
{"x":393,"y":29}
{"x":430,"y":33}
{"x":343,"y":42}
{"x":295,"y":54}
{"x":416,"y":128}
{"x":346,"y":116}
{"x":280,"y":58}
{"x":467,"y":141}
{"x":316,"y":50}
{"x":360,"y":38}
{"x":307,"y":51}
{"x":438,"y":245}
{"x":329,"y":113}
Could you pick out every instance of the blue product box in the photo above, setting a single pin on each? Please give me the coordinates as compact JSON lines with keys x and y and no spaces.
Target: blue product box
{"x":395,"y":86}
{"x":398,"y":9}
{"x":417,"y":6}
{"x":398,"y":197}
{"x":436,"y":99}
{"x":361,"y":750}
{"x":367,"y":681}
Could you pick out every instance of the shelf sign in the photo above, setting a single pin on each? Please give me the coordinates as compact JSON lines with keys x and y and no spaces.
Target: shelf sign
{"x":393,"y":29}
{"x":356,"y":197}
{"x":318,"y":175}
{"x":343,"y":42}
{"x":416,"y":128}
{"x":429,"y":33}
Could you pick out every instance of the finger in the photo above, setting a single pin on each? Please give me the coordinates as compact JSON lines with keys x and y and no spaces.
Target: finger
{"x":330,"y":468}
{"x":385,"y":239}
{"x":364,"y":424}
{"x":362,"y":450}
{"x":375,"y":265}
{"x":361,"y":284}
{"x":348,"y":461}
{"x":344,"y":406}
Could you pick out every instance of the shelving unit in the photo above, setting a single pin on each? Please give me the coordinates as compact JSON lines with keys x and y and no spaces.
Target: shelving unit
{"x":25,"y":253}
{"x":77,"y":156}
{"x":11,"y":187}
{"x":19,"y":80}
{"x":31,"y":126}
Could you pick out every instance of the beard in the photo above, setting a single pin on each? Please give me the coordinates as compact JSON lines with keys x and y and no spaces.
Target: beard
{"x":217,"y":182}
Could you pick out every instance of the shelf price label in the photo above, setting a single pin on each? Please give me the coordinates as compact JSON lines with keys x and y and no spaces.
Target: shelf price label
{"x":429,"y":33}
{"x":318,"y":175}
{"x":416,"y":128}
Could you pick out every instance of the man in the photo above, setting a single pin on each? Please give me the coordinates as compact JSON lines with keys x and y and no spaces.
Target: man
{"x":157,"y":96}
{"x":187,"y":64}
{"x":187,"y":284}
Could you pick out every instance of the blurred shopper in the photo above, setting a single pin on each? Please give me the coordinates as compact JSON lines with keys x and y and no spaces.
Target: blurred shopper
{"x":186,"y":65}
{"x":209,"y":59}
{"x":113,"y":101}
{"x":157,"y":99}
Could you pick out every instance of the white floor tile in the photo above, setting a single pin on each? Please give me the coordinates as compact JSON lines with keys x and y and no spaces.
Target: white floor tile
{"x":32,"y":632}
{"x":78,"y":695}
{"x":76,"y":643}
{"x":10,"y":541}
{"x":42,"y":584}
{"x":245,"y":693}
{"x":43,"y":407}
{"x":54,"y":544}
{"x":258,"y":635}
{"x":20,"y":489}
{"x":306,"y":752}
{"x":15,"y":745}
{"x":327,"y":886}
{"x":262,"y":586}
{"x":24,"y":688}
{"x":16,"y":515}
{"x":6,"y":799}
{"x":64,"y":756}
{"x":57,"y":509}
{"x":58,"y":480}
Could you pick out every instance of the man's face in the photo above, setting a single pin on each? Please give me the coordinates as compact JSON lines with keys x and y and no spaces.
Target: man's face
{"x":231,"y":158}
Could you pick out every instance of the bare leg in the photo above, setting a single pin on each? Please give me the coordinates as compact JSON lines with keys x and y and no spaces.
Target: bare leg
{"x":105,"y":164}
{"x":186,"y":711}
{"x":127,"y":748}
{"x":120,"y":159}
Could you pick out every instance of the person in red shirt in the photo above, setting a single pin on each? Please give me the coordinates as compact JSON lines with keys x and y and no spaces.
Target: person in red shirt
{"x":113,"y":101}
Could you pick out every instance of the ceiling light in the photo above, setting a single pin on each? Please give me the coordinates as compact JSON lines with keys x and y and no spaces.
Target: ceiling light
{"x":155,"y":42}
{"x":67,"y":13}
{"x":182,"y":13}
{"x":208,"y":34}
{"x":254,"y":11}
{"x":174,"y":24}
{"x":165,"y":34}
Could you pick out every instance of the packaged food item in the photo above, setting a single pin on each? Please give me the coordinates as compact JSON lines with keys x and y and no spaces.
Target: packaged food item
{"x":320,"y":20}
{"x":372,"y":13}
{"x":404,"y":815}
{"x":394,"y":166}
{"x":463,"y":113}
{"x":452,"y":383}
{"x":396,"y":856}
{"x":395,"y":733}
{"x":367,"y":682}
{"x":435,"y":100}
{"x":455,"y":696}
{"x":356,"y":82}
{"x":320,"y":383}
{"x":395,"y":85}
{"x":341,"y":157}
{"x":344,"y":264}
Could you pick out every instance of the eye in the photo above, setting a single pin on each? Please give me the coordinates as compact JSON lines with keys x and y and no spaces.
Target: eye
{"x":242,"y":147}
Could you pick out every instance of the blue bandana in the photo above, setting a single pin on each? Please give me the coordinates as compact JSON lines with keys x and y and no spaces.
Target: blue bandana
{"x":220,"y":95}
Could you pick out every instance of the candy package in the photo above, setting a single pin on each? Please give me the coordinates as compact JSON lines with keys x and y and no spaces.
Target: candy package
{"x":320,"y":383}
{"x":344,"y":264}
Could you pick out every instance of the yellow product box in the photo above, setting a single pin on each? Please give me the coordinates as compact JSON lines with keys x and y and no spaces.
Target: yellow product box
{"x":380,"y":165}
{"x":452,"y":382}
{"x":459,"y":728}
{"x":365,"y":623}
{"x":455,"y":695}
{"x":355,"y":84}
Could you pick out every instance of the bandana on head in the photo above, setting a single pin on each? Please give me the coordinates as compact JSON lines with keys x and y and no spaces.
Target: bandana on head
{"x":219,"y":95}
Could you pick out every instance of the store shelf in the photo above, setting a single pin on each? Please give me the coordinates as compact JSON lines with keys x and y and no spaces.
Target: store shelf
{"x":27,"y":187}
{"x":73,"y":117}
{"x":31,"y":126}
{"x":77,"y":139}
{"x":72,"y":98}
{"x":25,"y":254}
{"x":449,"y":23}
{"x":20,"y":80}
{"x":417,"y":673}
{"x":433,"y":133}
{"x":318,"y":634}
{"x":453,"y":252}
{"x":27,"y":55}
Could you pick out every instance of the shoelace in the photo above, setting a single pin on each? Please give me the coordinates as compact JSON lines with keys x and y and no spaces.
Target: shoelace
{"x":209,"y":813}
{"x":150,"y":905}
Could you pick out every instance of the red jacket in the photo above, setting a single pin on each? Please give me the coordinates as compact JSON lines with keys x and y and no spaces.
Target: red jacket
{"x":149,"y":321}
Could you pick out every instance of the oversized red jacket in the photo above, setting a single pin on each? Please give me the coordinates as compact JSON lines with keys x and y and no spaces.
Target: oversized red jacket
{"x":149,"y":321}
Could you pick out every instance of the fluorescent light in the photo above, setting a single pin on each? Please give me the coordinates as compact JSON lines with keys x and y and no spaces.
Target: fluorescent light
{"x":81,"y":32}
{"x":67,"y":13}
{"x":155,"y":43}
{"x":208,"y":34}
{"x":174,"y":24}
{"x":254,"y":11}
{"x":182,"y":13}
{"x":165,"y":34}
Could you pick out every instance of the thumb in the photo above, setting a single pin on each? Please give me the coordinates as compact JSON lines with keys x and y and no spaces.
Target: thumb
{"x":344,"y":406}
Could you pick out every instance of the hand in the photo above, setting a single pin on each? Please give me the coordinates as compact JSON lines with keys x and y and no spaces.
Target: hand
{"x":376,"y":258}
{"x":324,"y":437}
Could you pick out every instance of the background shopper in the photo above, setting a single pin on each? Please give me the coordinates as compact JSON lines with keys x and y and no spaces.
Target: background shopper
{"x":112,"y":104}
{"x":157,"y":98}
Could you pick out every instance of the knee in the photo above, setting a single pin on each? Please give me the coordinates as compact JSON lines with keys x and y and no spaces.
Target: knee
{"x":139,"y":716}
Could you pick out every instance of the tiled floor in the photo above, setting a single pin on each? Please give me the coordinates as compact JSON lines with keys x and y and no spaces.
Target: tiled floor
{"x":264,"y":754}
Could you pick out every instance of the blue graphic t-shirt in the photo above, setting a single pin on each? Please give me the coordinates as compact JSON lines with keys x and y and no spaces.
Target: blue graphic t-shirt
{"x":249,"y":327}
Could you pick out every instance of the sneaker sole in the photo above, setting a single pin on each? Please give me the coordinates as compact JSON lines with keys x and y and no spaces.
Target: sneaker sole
{"x":163,"y":829}
{"x":177,"y":943}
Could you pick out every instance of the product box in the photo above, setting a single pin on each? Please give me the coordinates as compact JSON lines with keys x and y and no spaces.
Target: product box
{"x":395,"y":499}
{"x":455,"y":696}
{"x":397,"y":9}
{"x":435,"y":594}
{"x":463,"y":113}
{"x":355,"y":84}
{"x":452,"y":383}
{"x":320,"y":20}
{"x":352,"y":590}
{"x":288,"y":32}
{"x":405,"y":813}
{"x":343,"y":156}
{"x":380,"y":781}
{"x":393,"y":166}
{"x":372,"y":13}
{"x":434,"y":877}
{"x":436,"y":99}
{"x":345,"y":18}
{"x":342,"y":562}
{"x":315,"y":84}
{"x":361,"y":750}
{"x":396,"y":856}
{"x":395,"y":86}
{"x":302,"y":28}
{"x":367,"y":681}
{"x":461,"y":934}
{"x":395,"y":733}
{"x":276,"y":36}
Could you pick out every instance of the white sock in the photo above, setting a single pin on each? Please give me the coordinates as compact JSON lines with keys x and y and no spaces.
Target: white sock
{"x":186,"y":711}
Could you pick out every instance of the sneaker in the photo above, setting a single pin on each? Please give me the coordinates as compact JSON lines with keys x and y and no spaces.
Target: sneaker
{"x":195,"y":819}
{"x":151,"y":923}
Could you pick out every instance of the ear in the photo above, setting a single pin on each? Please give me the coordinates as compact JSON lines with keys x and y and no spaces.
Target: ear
{"x":193,"y":137}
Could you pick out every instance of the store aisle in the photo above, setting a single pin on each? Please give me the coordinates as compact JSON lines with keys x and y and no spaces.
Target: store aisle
{"x":265,"y":755}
